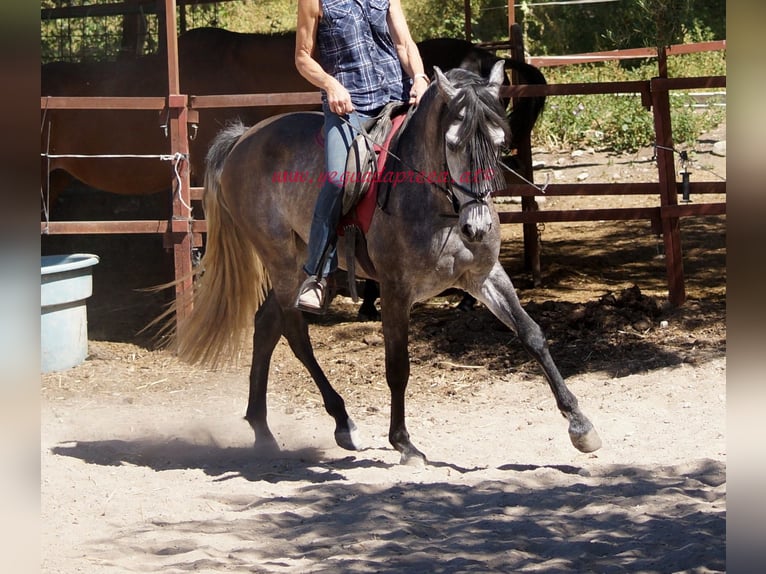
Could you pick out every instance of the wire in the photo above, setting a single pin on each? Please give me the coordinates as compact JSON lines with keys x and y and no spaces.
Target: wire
{"x":520,"y":5}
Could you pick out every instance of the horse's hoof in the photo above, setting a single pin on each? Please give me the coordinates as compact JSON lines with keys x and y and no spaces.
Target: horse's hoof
{"x":466,"y":304}
{"x":414,"y":458}
{"x":348,"y":438}
{"x":588,"y":441}
{"x":366,"y":315}
{"x":266,"y":447}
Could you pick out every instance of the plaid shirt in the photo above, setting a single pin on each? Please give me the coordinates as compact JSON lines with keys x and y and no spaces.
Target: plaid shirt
{"x":355,"y":47}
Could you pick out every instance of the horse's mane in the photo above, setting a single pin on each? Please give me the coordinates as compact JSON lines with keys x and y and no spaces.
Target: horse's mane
{"x":479,"y":111}
{"x":475,"y":105}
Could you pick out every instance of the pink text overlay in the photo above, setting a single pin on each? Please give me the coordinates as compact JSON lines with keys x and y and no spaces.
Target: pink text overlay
{"x":392,"y":177}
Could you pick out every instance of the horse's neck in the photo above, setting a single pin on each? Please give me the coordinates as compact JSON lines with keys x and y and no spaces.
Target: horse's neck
{"x":421,"y":141}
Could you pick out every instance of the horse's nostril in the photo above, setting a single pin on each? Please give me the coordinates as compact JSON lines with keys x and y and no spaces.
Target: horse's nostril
{"x":472,"y":233}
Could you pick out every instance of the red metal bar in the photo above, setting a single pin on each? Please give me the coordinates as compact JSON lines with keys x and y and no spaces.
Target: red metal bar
{"x":174,"y":82}
{"x":245,"y":100}
{"x":524,"y":157}
{"x":671,"y":231}
{"x":313,"y":98}
{"x":179,"y":235}
{"x":549,"y":216}
{"x":627,"y":54}
{"x":689,"y":83}
{"x":695,"y":48}
{"x":613,"y":214}
{"x":689,"y":209}
{"x":131,"y":226}
{"x":102,"y":103}
{"x":585,"y":189}
{"x":642,"y":87}
{"x":526,"y":90}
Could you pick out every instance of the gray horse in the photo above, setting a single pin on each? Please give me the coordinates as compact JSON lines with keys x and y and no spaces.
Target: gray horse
{"x":435,"y":229}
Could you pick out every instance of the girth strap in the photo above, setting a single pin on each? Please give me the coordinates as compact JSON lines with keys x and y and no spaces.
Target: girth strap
{"x":350,"y":232}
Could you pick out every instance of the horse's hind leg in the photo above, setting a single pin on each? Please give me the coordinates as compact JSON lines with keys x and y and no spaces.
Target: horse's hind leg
{"x":268,"y":330}
{"x":498,"y":294}
{"x":368,"y":311}
{"x":296,"y":331}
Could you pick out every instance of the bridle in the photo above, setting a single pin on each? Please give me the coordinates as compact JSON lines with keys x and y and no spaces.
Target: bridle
{"x":476,"y":197}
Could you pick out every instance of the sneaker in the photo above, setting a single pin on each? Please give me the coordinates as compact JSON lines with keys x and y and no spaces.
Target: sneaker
{"x":311,"y":296}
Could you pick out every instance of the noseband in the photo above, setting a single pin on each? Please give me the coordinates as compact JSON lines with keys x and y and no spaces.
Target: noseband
{"x":449,"y":190}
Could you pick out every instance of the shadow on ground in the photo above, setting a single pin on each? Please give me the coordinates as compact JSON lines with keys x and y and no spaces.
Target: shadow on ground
{"x":561,"y":519}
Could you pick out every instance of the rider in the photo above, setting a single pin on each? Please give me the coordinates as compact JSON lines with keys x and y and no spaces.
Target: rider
{"x":356,"y":52}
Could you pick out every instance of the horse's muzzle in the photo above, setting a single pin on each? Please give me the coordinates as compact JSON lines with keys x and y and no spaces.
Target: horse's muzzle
{"x":475,"y":221}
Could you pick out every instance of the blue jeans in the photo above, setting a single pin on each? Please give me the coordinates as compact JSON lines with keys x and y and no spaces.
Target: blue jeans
{"x":338,"y":136}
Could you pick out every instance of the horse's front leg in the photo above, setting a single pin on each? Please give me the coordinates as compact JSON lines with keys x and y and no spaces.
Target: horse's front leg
{"x":396,"y":317}
{"x":498,"y":294}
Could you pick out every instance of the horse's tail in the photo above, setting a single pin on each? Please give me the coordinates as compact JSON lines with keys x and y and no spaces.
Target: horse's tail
{"x":232,"y":281}
{"x":526,"y":112}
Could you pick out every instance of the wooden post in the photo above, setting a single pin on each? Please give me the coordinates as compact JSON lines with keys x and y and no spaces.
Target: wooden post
{"x":511,"y":15}
{"x":524,"y":156}
{"x":671,"y":229}
{"x":467,"y":21}
{"x":179,"y":235}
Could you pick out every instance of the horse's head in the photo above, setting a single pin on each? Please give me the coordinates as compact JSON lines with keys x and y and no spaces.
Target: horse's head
{"x":475,"y":130}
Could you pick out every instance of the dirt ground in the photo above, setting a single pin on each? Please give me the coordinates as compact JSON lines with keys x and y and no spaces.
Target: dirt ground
{"x":147,"y":465}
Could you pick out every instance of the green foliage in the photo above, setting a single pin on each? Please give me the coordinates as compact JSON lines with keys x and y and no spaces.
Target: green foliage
{"x":620,"y":122}
{"x":435,"y":18}
{"x":572,"y":29}
{"x":446,"y":18}
{"x":264,"y":16}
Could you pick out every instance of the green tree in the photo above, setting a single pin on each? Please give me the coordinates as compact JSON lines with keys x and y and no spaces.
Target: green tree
{"x":575,"y":28}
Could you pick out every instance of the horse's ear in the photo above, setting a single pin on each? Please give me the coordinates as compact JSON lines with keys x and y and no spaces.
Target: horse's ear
{"x":446,"y":89}
{"x":496,"y":77}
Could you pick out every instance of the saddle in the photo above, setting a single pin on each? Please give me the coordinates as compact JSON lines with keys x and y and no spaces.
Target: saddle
{"x":362,"y":161}
{"x":364,"y":165}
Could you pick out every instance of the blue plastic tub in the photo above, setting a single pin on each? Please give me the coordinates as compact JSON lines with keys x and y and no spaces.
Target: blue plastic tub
{"x":66,"y":282}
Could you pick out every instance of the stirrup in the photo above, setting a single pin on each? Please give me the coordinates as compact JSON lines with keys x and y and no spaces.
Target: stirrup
{"x":311,"y":282}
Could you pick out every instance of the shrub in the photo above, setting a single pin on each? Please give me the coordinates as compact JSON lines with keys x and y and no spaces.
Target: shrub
{"x":618,"y":121}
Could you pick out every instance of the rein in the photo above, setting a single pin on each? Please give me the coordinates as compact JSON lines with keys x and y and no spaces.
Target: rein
{"x":448,"y":190}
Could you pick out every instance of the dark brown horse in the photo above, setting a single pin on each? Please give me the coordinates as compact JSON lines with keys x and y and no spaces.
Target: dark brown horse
{"x":432,"y":232}
{"x":211,"y":61}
